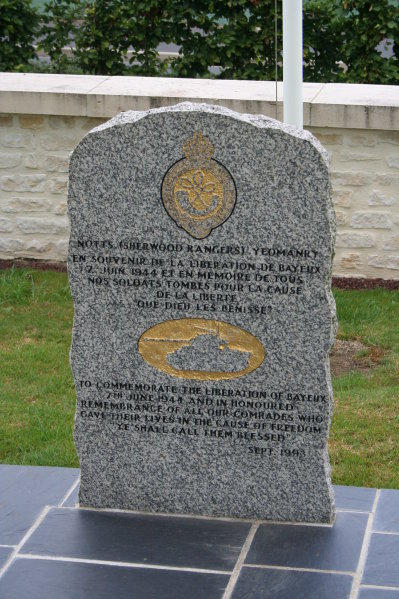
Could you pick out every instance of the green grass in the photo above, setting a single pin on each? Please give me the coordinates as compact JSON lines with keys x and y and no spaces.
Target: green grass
{"x":364,"y":441}
{"x":37,"y":395}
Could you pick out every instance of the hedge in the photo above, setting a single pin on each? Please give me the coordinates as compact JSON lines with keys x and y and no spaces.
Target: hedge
{"x":224,"y":39}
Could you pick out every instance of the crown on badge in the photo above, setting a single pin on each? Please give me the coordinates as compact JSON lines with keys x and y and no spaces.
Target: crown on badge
{"x":198,"y":149}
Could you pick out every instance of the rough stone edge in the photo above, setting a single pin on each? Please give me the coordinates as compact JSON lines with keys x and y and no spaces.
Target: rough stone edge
{"x":330,"y":212}
{"x":260,"y":121}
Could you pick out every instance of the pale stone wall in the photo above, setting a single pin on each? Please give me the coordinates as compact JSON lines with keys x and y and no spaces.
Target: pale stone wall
{"x":365,"y":181}
{"x":34,"y":150}
{"x":34,"y":154}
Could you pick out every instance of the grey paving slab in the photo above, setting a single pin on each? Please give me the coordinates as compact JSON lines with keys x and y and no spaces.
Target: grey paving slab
{"x":323,"y":548}
{"x":354,"y":498}
{"x":173,"y":542}
{"x":122,"y":537}
{"x":42,"y":579}
{"x":258,"y":583}
{"x":387,"y":514}
{"x":73,"y":498}
{"x":5,"y":553}
{"x":25,"y":490}
{"x":382,"y":565}
{"x":378,"y":594}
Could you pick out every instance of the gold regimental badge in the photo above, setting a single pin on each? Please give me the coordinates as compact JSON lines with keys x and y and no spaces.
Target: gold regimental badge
{"x":201,"y":349}
{"x":198,"y":192}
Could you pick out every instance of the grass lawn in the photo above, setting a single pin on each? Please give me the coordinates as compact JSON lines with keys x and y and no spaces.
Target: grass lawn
{"x":37,"y":393}
{"x":37,"y":396}
{"x":364,"y":440}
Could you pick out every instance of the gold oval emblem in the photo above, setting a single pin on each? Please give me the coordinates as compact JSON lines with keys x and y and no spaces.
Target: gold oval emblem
{"x":198,"y":192}
{"x":186,"y":347}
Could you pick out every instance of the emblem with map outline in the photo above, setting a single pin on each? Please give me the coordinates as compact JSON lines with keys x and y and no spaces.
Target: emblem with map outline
{"x":198,"y":192}
{"x":186,"y":348}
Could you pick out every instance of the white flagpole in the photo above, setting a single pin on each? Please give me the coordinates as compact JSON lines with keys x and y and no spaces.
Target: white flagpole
{"x":292,"y":63}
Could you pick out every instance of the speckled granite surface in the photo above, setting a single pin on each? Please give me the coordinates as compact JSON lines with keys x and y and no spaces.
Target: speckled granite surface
{"x":201,"y":364}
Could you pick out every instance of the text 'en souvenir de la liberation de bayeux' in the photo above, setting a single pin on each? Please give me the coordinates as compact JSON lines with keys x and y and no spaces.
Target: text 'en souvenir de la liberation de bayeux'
{"x":200,"y":267}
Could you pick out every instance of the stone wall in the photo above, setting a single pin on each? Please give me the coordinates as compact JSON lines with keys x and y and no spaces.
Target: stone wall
{"x":34,"y":154}
{"x":365,"y":181}
{"x":34,"y":150}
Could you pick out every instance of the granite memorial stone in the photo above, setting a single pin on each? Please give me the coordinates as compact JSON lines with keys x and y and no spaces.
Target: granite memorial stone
{"x":200,"y":267}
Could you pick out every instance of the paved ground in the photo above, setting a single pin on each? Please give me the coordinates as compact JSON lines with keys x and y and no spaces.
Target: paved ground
{"x":50,"y":549}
